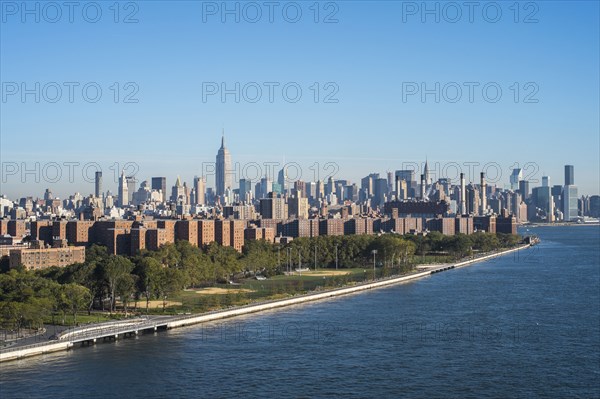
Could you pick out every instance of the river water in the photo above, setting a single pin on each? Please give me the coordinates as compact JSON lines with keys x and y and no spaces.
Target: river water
{"x":525,"y":325}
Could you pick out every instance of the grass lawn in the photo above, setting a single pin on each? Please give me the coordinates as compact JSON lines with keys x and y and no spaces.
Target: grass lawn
{"x":221,"y":296}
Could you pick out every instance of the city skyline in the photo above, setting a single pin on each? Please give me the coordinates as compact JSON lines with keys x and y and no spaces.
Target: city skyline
{"x":374,"y":125}
{"x":217,"y":171}
{"x":274,"y":194}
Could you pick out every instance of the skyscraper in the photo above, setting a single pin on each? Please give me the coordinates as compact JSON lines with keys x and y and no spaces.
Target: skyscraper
{"x":483,"y":192}
{"x":123,"y":191}
{"x":131,"y":183}
{"x":178,"y":192}
{"x":298,"y":207}
{"x":311,"y":190}
{"x":524,"y":189}
{"x":401,"y":189}
{"x":223,"y":169}
{"x":98,"y":184}
{"x":426,"y":174}
{"x":515,"y":178}
{"x":300,"y":189}
{"x":367,"y":184}
{"x":266,"y":186}
{"x":472,"y":199}
{"x":199,"y":188}
{"x":408,"y":175}
{"x":542,"y":201}
{"x":320,"y":190}
{"x":545,"y":181}
{"x":330,"y":186}
{"x":160,"y":183}
{"x":380,"y":191}
{"x":422,"y":187}
{"x":281,"y":178}
{"x":463,"y":193}
{"x":273,"y":207}
{"x":570,"y":209}
{"x":569,"y":175}
{"x":245,"y":191}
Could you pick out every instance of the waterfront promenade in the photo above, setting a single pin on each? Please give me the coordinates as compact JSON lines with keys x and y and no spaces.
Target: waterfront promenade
{"x":91,"y":334}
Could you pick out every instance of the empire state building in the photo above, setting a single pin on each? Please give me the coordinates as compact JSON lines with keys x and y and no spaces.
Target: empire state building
{"x":223,"y":172}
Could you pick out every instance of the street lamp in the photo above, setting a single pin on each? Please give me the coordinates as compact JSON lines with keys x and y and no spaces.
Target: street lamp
{"x":374,"y":252}
{"x":336,"y":257}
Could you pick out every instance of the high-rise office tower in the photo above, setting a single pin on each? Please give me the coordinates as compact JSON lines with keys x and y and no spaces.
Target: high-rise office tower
{"x":569,"y":175}
{"x":472,"y":200}
{"x":401,"y":189}
{"x":524,"y":189}
{"x":515,"y":178}
{"x":463,"y":195}
{"x":367,"y":184}
{"x":199,"y":190}
{"x":408,"y":175}
{"x":273,"y":207}
{"x":380,"y":193}
{"x":160,"y":183}
{"x":570,"y":208}
{"x":541,"y":199}
{"x":178,"y":192}
{"x":98,"y":184}
{"x":223,"y":169}
{"x":186,"y":193}
{"x":428,"y":180}
{"x":350,"y":192}
{"x":266,"y":186}
{"x":320,"y":190}
{"x":311,"y":190}
{"x":281,"y":178}
{"x":330,"y":186}
{"x":123,"y":190}
{"x":298,"y":207}
{"x":390,"y":179}
{"x":545,"y":181}
{"x":131,"y":184}
{"x":300,"y":189}
{"x":245,"y":191}
{"x":483,"y":189}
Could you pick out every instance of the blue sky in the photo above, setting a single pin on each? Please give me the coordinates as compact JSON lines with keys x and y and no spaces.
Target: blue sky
{"x":370,"y":58}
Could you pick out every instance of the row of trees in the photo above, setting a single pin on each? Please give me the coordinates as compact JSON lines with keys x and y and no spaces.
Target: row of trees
{"x":349,"y":251}
{"x":461,"y":245}
{"x":27,"y":298}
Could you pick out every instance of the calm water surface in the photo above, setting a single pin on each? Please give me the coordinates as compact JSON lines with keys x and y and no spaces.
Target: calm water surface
{"x":517,"y":326}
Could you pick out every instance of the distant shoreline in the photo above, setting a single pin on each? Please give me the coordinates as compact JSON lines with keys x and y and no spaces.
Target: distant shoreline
{"x":15,"y":353}
{"x":559,"y":224}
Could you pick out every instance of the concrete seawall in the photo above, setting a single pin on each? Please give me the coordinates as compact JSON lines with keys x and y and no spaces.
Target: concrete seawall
{"x":34,"y":350}
{"x":180,"y":321}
